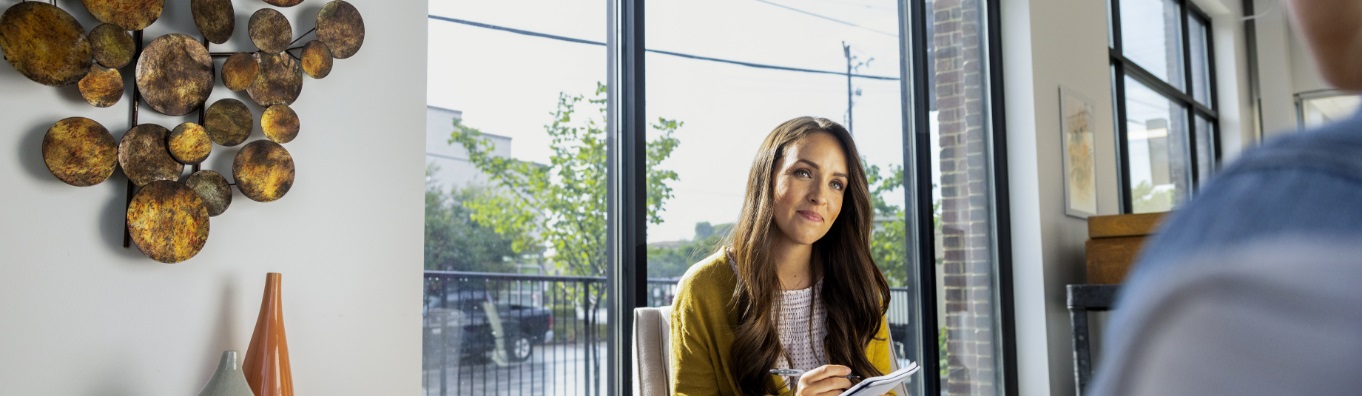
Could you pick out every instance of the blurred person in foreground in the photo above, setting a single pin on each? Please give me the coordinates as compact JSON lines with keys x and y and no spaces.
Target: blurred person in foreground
{"x":1255,"y":286}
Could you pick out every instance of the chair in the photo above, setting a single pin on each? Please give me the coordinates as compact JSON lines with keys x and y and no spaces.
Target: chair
{"x":652,"y":351}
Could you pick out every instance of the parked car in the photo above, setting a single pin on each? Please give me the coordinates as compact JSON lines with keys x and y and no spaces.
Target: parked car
{"x":506,"y":332}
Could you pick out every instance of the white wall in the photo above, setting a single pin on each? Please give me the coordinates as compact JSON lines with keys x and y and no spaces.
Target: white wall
{"x":1288,"y":68}
{"x":1048,"y":44}
{"x":81,"y":315}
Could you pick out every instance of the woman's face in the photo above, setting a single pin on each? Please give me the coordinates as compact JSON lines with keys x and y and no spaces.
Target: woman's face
{"x":810,"y":182}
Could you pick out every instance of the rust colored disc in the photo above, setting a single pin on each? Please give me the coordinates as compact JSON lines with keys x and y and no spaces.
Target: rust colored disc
{"x":129,"y":14}
{"x":280,"y":123}
{"x":80,"y":151}
{"x":144,"y":156}
{"x":316,"y":59}
{"x":213,"y":188}
{"x":284,"y":3}
{"x":112,"y":46}
{"x":175,"y":74}
{"x":101,"y":87}
{"x":263,"y":171}
{"x":45,"y":44}
{"x":215,"y":19}
{"x":168,"y":221}
{"x":340,"y":26}
{"x":189,"y":143}
{"x":239,"y":71}
{"x":270,"y":30}
{"x":228,"y":122}
{"x":279,"y":82}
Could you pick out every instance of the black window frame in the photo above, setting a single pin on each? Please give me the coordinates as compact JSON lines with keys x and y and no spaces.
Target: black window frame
{"x":1122,"y":67}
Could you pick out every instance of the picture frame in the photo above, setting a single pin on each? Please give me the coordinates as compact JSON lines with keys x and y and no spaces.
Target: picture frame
{"x":1079,"y":154}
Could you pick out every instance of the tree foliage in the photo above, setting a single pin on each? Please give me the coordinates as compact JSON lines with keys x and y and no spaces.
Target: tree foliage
{"x":561,"y":205}
{"x":454,"y":242}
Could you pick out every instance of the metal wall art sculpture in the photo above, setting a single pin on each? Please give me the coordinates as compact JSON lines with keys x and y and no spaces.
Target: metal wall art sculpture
{"x":174,"y":74}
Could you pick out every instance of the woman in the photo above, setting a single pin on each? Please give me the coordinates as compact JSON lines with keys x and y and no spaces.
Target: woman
{"x":794,"y":286}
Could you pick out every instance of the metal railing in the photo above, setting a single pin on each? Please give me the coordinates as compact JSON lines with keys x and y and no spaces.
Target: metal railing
{"x":492,"y":333}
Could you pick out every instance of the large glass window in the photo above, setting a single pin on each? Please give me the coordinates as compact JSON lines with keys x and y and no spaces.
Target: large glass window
{"x":1164,"y":85}
{"x":517,"y":245}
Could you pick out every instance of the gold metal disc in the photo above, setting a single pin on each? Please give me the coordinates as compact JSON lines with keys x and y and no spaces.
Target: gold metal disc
{"x":279,"y":123}
{"x":279,"y":82}
{"x":270,"y":30}
{"x":44,"y":43}
{"x":113,"y":46}
{"x":284,"y":3}
{"x":144,"y":156}
{"x":101,"y":87}
{"x":213,"y":188}
{"x":228,"y":122}
{"x":263,"y":171}
{"x":215,"y":19}
{"x":340,"y":26}
{"x":80,"y":151}
{"x":168,"y":221}
{"x":129,"y":14}
{"x":239,"y":71}
{"x":175,"y":74}
{"x":189,"y":143}
{"x":317,"y":59}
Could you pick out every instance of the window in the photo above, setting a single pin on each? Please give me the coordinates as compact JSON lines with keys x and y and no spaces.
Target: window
{"x":1317,"y":108}
{"x":1163,"y":80}
{"x":527,"y":203}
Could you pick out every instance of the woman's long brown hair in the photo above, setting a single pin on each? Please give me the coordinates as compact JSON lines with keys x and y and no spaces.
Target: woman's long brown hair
{"x":842,"y":258}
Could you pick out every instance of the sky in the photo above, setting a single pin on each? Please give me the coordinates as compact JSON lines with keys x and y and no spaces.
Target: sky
{"x":508,"y":84}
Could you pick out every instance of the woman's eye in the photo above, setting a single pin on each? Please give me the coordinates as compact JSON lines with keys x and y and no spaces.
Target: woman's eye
{"x":802,"y":173}
{"x":837,"y":185}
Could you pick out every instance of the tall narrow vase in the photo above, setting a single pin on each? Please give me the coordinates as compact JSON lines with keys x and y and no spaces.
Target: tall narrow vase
{"x":228,"y":379}
{"x":267,"y":368}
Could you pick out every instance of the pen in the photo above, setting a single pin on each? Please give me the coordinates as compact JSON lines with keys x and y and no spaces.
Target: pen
{"x":798,"y":373}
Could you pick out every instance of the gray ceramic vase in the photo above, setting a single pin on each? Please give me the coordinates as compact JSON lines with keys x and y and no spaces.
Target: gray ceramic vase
{"x":229,"y":379}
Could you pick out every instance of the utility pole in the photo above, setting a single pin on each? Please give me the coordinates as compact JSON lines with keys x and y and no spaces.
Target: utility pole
{"x":853,"y":64}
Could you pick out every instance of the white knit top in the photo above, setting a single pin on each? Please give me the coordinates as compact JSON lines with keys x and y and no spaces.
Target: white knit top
{"x":803,"y":326}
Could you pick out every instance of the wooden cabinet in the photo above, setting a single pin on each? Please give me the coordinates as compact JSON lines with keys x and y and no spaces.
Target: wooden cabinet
{"x":1114,"y":243}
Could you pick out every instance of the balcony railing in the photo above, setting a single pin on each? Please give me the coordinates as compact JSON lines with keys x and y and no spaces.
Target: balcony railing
{"x":495,"y":334}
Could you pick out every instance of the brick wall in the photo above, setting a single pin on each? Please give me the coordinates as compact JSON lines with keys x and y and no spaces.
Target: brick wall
{"x":958,"y":79}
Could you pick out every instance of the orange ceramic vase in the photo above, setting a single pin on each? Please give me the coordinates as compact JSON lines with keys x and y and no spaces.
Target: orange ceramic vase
{"x":266,"y":366}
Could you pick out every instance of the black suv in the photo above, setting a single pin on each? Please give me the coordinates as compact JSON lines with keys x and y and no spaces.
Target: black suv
{"x":506,"y":331}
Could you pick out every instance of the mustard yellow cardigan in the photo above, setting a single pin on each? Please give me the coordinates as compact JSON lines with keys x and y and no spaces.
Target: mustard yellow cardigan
{"x":702,"y":332}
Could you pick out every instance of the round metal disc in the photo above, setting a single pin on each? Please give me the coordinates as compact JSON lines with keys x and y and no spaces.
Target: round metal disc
{"x":189,"y":143}
{"x":239,"y":71}
{"x":228,"y":122}
{"x":213,"y":188}
{"x":80,"y":151}
{"x":144,"y":157}
{"x":316,"y":59}
{"x":168,"y":221}
{"x":340,"y":26}
{"x":112,"y":46}
{"x":215,"y":19}
{"x":270,"y":30}
{"x":101,"y":87}
{"x":129,"y":14}
{"x":44,"y":43}
{"x":284,"y":3}
{"x":175,"y":74}
{"x":263,"y":171}
{"x":279,"y":82}
{"x":280,"y":123}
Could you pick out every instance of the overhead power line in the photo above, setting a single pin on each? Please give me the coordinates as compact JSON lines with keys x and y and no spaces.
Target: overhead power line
{"x":661,"y":52}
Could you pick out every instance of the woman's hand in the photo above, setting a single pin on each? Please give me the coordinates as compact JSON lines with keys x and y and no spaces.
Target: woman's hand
{"x":826,"y":380}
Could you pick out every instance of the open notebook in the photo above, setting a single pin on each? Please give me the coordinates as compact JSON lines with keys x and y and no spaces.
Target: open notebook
{"x":879,"y":385}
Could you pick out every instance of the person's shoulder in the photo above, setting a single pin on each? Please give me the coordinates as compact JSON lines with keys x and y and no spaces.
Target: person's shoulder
{"x":1335,"y":148}
{"x":709,"y":276}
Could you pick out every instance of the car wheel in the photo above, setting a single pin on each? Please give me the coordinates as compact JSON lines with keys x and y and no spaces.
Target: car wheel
{"x":516,"y":350}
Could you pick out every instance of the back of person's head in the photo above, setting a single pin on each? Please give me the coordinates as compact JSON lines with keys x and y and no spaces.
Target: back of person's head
{"x":1333,"y":29}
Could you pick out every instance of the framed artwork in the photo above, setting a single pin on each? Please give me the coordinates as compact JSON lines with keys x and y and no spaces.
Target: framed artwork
{"x":1080,"y":171}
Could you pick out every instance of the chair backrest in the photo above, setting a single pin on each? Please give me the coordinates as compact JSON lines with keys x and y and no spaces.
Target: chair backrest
{"x":652,"y":351}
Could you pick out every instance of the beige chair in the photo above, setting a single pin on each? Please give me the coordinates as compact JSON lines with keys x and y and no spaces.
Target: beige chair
{"x":652,"y":351}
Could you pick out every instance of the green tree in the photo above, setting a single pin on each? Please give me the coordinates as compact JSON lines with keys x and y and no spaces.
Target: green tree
{"x":1145,"y":199}
{"x":562,"y":205}
{"x":889,"y":241}
{"x":454,"y":242}
{"x":673,"y":261}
